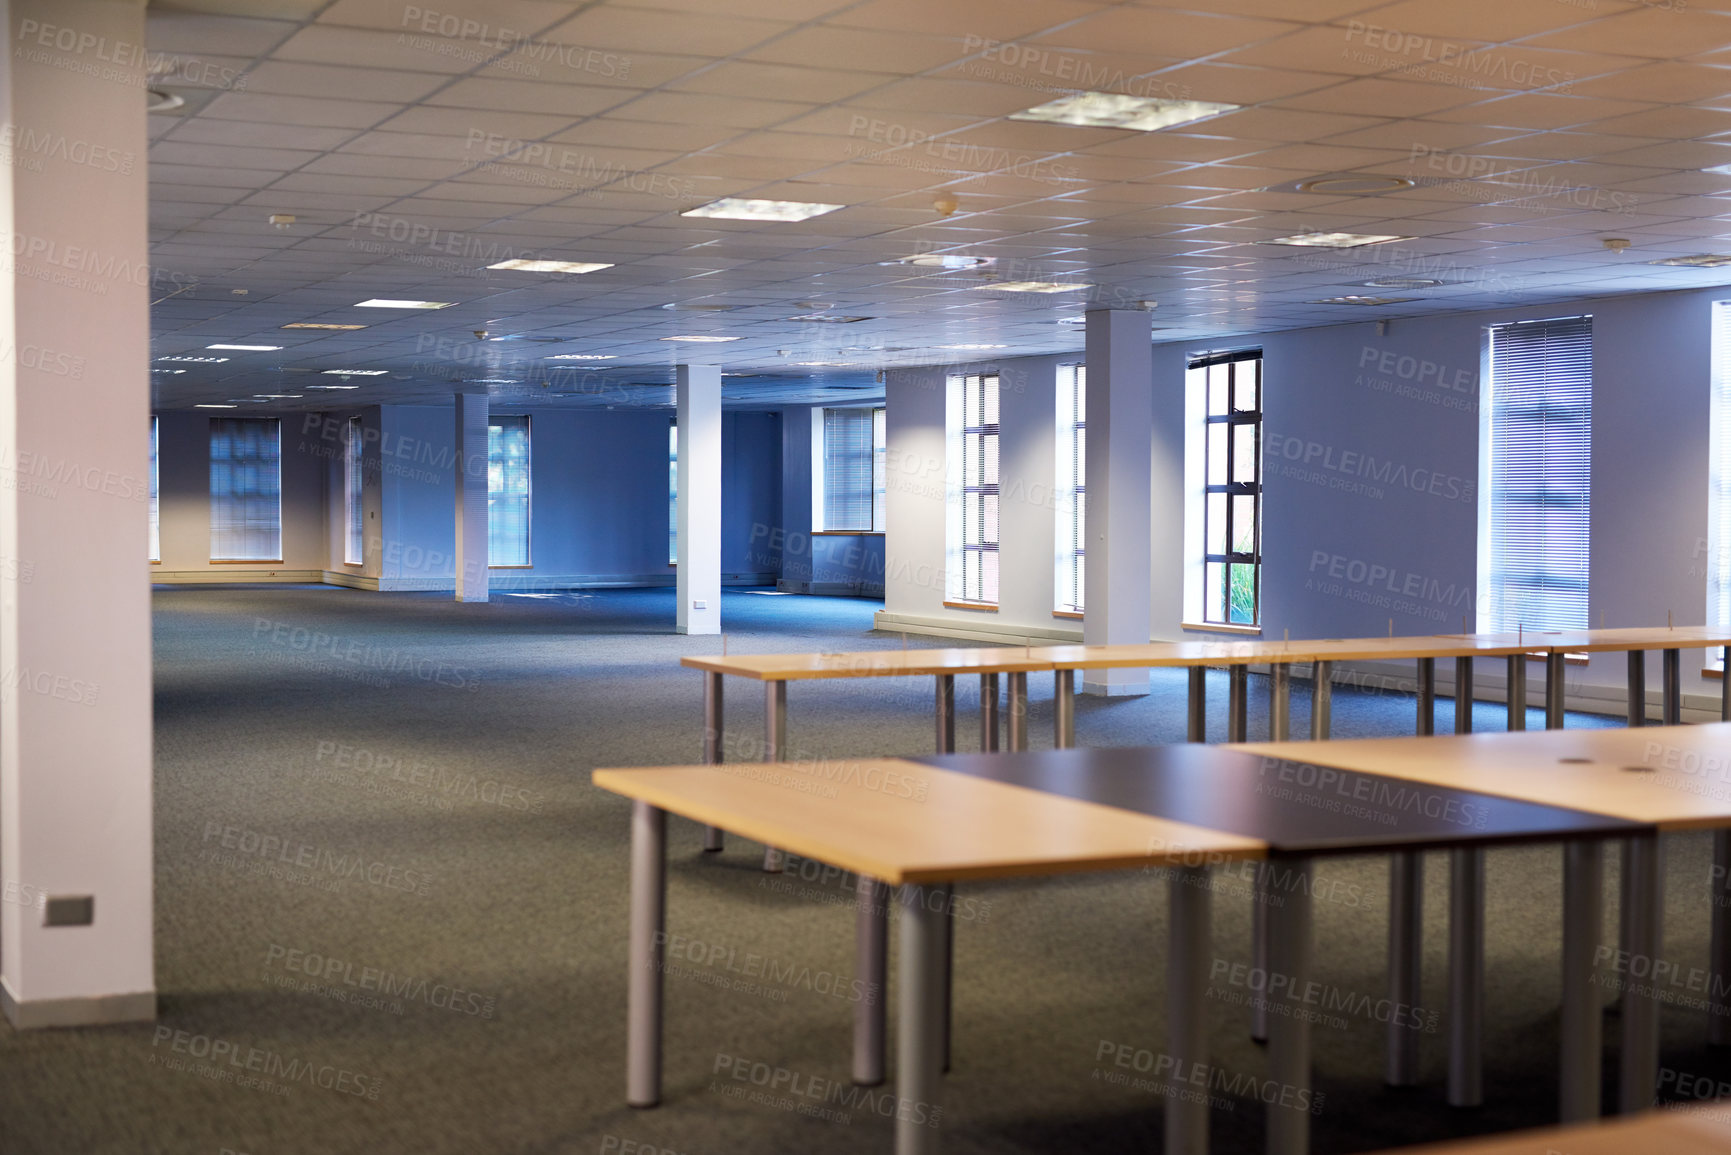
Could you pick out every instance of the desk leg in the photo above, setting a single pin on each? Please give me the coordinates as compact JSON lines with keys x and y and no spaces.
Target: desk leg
{"x":712,"y":754}
{"x":1018,"y":711}
{"x":1426,"y":697}
{"x":1063,"y":709}
{"x":1582,"y":1020}
{"x":1289,"y":1035}
{"x":1719,"y":953}
{"x":1187,"y":1008}
{"x":1279,"y":702}
{"x":774,"y":749}
{"x":1321,"y":700}
{"x":1463,"y":695}
{"x":1237,"y":703}
{"x":1637,"y":687}
{"x":1405,"y":963}
{"x":871,"y":967}
{"x":1640,"y":1074}
{"x":1466,"y":977}
{"x":1725,"y":685}
{"x":1554,"y":689}
{"x":643,"y":982}
{"x":919,"y":1042}
{"x":1197,"y":730}
{"x":946,"y":713}
{"x":1517,"y":693}
{"x":989,"y":712}
{"x":1673,"y":675}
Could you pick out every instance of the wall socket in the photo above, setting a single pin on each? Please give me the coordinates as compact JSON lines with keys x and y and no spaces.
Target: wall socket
{"x":699,"y":605}
{"x":69,"y":910}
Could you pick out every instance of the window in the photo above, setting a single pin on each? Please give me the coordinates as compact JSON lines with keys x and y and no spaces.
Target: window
{"x":353,"y":481}
{"x":155,"y":514}
{"x":1536,"y":426}
{"x":1718,"y":544}
{"x":245,"y":489}
{"x":508,"y":491}
{"x":1228,"y":390}
{"x":1070,"y":488}
{"x":973,"y":521}
{"x":672,"y":493}
{"x":851,"y":470}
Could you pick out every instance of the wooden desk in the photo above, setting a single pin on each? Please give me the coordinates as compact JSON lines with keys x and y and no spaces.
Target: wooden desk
{"x":1668,"y":778}
{"x":1693,"y":1130}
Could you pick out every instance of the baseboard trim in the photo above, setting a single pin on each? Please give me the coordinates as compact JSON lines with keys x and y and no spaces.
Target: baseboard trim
{"x":230,"y":576}
{"x":96,"y":1011}
{"x":979,"y":628}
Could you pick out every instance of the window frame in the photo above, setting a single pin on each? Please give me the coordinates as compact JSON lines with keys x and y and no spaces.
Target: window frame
{"x":824,"y":478}
{"x":983,"y":494}
{"x":1071,"y":486}
{"x":354,"y":493}
{"x":493,"y":419}
{"x":155,"y":543}
{"x":1232,"y":419}
{"x":673,"y":491}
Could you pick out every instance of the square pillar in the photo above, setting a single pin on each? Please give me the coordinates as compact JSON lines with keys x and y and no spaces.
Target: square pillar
{"x":1120,"y":444}
{"x":76,"y":859}
{"x":471,"y":441}
{"x":697,"y":395}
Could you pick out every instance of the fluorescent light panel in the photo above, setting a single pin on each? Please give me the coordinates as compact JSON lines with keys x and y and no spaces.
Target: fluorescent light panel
{"x":1034,"y":286}
{"x":1115,"y":110}
{"x":248,"y":348}
{"x":1354,"y":300}
{"x":583,"y":357}
{"x":384,"y":303}
{"x":1698,"y":261}
{"x":524,"y":265}
{"x":1333,"y":240}
{"x":192,"y":357}
{"x":322,"y":325}
{"x":700,"y":338}
{"x":747,"y":209}
{"x":355,"y":372}
{"x":213,"y":407}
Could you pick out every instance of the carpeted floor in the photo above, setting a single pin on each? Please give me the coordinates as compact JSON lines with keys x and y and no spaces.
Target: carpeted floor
{"x":383,"y":875}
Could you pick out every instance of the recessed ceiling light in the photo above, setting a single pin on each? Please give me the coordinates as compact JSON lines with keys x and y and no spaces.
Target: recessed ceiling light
{"x":213,"y":406}
{"x":1698,"y":261}
{"x":688,"y":307}
{"x":583,"y":357}
{"x":1350,"y":185}
{"x":1115,"y":110}
{"x":825,"y":364}
{"x":321,"y":325}
{"x":276,"y":396}
{"x":248,"y":348}
{"x":700,"y":338}
{"x":488,"y":381}
{"x":1402,"y":283}
{"x":970,"y":346}
{"x":1352,"y":300}
{"x":1034,"y":286}
{"x":524,"y":265}
{"x":333,"y":386}
{"x":382,"y":303}
{"x":168,"y":370}
{"x":827,"y":319}
{"x":356,"y":372}
{"x":191,"y":357}
{"x":746,"y":209}
{"x":1333,"y":240}
{"x":944,"y":261}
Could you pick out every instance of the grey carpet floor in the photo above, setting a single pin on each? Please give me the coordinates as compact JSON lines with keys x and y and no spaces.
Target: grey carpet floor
{"x":461,"y":989}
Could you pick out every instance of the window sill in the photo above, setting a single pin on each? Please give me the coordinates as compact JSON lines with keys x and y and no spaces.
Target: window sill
{"x":529,"y":566}
{"x":155,"y":561}
{"x":1215,"y":627}
{"x":246,"y":561}
{"x":980,"y":607}
{"x":1070,"y":614}
{"x":847,"y":533}
{"x":1711,"y":673}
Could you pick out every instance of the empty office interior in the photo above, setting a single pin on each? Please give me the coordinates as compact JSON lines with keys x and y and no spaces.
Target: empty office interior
{"x":510,"y":510}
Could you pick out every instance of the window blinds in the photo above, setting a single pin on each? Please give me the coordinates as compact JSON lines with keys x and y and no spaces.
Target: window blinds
{"x":155,"y":498}
{"x":353,"y":482}
{"x":1541,"y":399}
{"x":1072,"y":461}
{"x":245,"y":489}
{"x":508,"y":491}
{"x":850,"y":469}
{"x":1718,"y":546}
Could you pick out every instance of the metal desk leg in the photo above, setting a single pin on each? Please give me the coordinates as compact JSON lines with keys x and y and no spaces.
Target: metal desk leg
{"x":1237,"y":703}
{"x":1463,"y":695}
{"x":1019,"y":710}
{"x":918,"y":1020}
{"x":1637,"y":687}
{"x":1638,"y":1085}
{"x":1517,"y":694}
{"x":1198,"y":727}
{"x":871,"y":967}
{"x":774,"y":749}
{"x":1064,"y":709}
{"x":1259,"y":948}
{"x":1554,"y":688}
{"x":946,"y":713}
{"x":1289,"y":1035}
{"x":1582,"y":1021}
{"x":1725,"y":685}
{"x":1466,"y":977}
{"x":1279,"y":702}
{"x":1186,"y":1008}
{"x":989,"y":712}
{"x":712,"y":754}
{"x":1426,"y":696}
{"x":1321,"y":700}
{"x":1405,"y":963}
{"x":643,"y":980}
{"x":1673,"y":675}
{"x":1719,"y":953}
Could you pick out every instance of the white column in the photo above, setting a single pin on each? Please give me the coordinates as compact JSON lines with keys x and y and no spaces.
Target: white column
{"x":471,"y":417}
{"x":697,"y":394}
{"x":1120,"y":444}
{"x":75,"y":677}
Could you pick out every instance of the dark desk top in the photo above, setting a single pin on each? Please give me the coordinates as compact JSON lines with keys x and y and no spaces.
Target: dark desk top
{"x":1297,"y":808}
